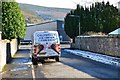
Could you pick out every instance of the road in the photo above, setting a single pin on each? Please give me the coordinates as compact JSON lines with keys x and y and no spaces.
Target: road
{"x":70,"y":66}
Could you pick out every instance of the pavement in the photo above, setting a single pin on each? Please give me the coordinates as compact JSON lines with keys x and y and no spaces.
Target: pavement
{"x":95,"y":56}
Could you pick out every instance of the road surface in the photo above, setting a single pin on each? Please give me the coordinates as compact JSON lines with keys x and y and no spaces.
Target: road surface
{"x":70,"y":66}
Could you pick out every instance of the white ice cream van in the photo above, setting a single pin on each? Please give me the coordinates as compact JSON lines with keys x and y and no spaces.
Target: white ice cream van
{"x":46,"y":44}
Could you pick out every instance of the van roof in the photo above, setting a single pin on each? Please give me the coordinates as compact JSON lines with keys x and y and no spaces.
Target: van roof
{"x":44,"y":31}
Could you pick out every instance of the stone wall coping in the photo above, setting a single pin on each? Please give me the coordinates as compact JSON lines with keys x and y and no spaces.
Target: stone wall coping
{"x":105,"y":36}
{"x":7,"y":41}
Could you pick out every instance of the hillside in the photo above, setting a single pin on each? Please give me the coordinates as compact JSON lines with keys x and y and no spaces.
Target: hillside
{"x":31,"y":18}
{"x":37,"y":14}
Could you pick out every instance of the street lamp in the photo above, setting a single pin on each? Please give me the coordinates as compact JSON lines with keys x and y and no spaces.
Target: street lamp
{"x":78,"y":20}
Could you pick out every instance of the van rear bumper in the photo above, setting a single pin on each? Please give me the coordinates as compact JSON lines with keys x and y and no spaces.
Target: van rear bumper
{"x":46,"y":57}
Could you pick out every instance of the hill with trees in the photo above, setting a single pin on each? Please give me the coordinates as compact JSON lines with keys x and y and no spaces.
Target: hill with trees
{"x":38,"y":14}
{"x":35,"y":14}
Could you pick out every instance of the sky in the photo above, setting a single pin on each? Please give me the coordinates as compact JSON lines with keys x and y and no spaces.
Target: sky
{"x":65,"y":3}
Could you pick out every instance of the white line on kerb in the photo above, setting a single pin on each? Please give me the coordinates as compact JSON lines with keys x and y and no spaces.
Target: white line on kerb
{"x":33,"y":72}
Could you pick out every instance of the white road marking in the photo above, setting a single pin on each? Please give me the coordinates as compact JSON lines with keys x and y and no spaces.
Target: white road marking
{"x":40,"y":64}
{"x":33,"y":72}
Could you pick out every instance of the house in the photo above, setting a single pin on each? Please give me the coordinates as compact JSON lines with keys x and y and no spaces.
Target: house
{"x":56,"y":25}
{"x":115,"y":33}
{"x":119,"y":5}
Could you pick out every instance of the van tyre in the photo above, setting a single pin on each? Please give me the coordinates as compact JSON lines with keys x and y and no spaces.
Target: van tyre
{"x":34,"y":61}
{"x":57,"y":59}
{"x":42,"y":61}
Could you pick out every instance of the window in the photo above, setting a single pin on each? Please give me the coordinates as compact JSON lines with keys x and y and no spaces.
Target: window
{"x":63,"y":26}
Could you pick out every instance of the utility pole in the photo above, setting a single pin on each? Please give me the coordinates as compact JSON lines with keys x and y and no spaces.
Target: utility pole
{"x":79,"y":27}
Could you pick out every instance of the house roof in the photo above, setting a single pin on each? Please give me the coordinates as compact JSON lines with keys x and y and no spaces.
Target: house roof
{"x":117,"y":31}
{"x":44,"y":23}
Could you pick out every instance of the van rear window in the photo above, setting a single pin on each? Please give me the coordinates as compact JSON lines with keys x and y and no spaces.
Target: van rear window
{"x":43,"y":37}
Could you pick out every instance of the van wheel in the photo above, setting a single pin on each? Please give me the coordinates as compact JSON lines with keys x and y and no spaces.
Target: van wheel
{"x":42,"y":61}
{"x":57,"y":59}
{"x":34,"y":61}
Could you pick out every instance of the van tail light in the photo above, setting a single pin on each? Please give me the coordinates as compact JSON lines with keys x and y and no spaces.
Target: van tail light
{"x":56,"y":47}
{"x":37,"y":48}
{"x":41,"y":47}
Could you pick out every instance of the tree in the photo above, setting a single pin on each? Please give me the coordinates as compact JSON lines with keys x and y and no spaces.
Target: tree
{"x":100,"y":17}
{"x":13,"y":22}
{"x":72,"y":26}
{"x":110,"y":18}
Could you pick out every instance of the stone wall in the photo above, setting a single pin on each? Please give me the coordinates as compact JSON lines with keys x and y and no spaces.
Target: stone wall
{"x":7,"y":51}
{"x":104,"y":45}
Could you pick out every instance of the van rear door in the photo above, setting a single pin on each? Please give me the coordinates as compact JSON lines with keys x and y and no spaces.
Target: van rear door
{"x":49,"y":40}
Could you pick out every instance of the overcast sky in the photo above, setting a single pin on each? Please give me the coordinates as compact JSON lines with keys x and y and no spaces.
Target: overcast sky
{"x":64,"y":3}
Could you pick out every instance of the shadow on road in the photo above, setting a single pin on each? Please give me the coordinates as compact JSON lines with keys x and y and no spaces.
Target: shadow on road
{"x":91,"y":67}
